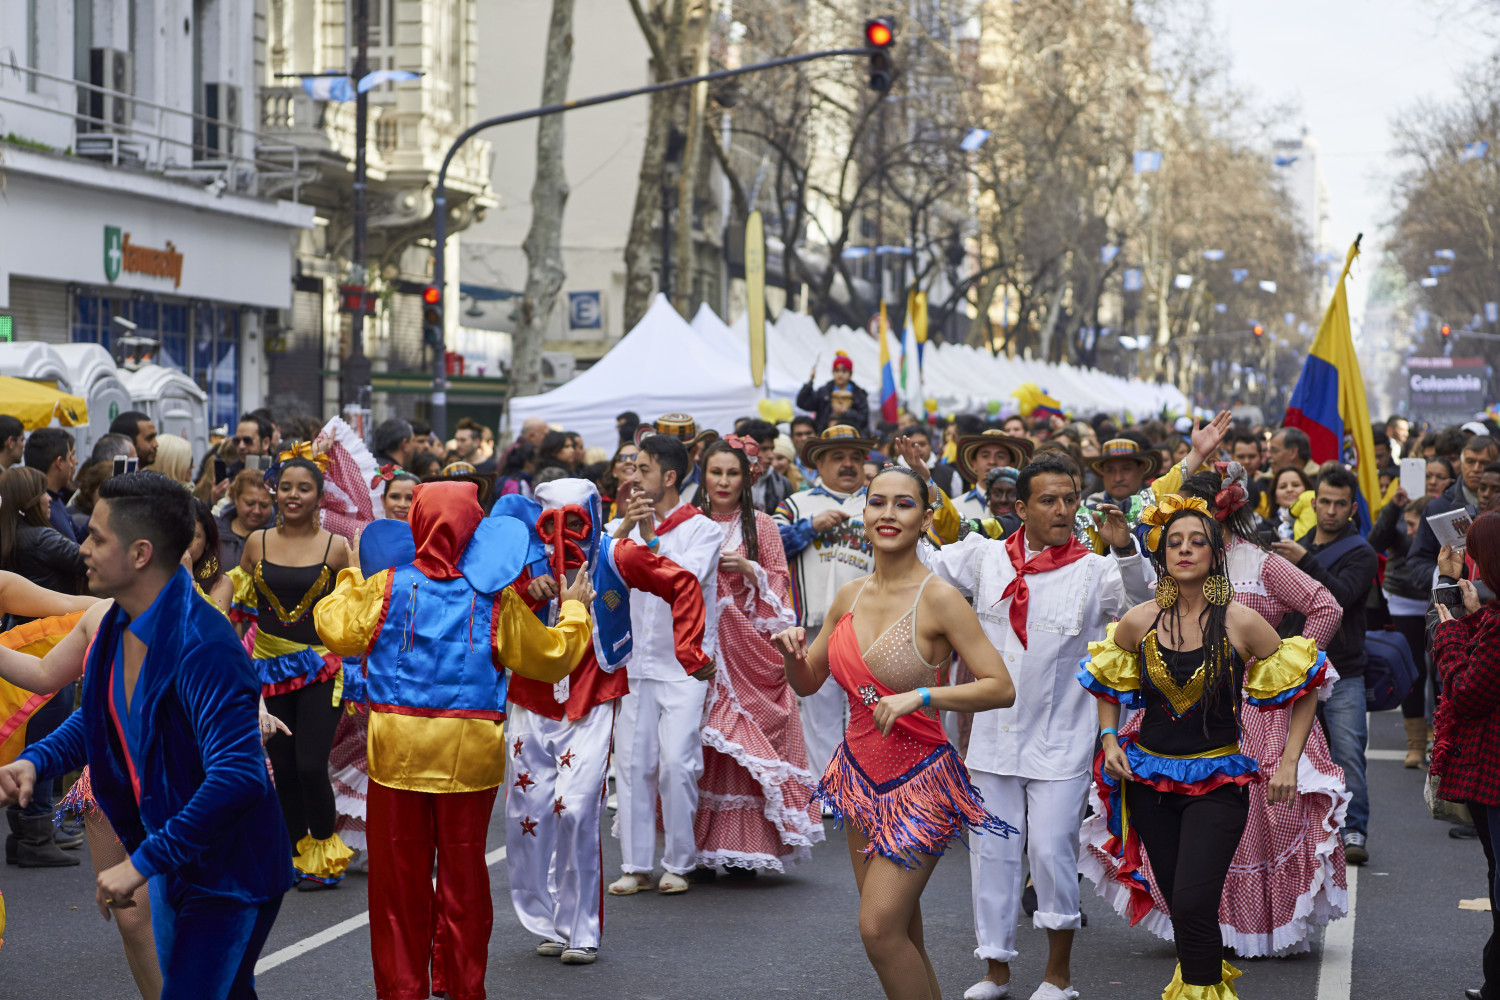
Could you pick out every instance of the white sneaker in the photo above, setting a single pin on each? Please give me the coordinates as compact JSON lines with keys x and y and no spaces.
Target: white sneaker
{"x":1048,"y":991}
{"x":550,"y":949}
{"x":987,"y":990}
{"x":580,"y":956}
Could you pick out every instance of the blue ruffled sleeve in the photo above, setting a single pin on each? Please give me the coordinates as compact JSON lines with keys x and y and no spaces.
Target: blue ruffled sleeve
{"x":1110,"y":672}
{"x":1296,"y":668}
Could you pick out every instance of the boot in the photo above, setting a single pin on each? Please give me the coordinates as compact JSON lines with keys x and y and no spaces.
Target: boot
{"x":34,"y":845}
{"x":1416,"y":742}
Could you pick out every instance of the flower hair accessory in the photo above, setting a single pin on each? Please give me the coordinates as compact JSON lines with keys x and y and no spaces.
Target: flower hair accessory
{"x":1159,"y":513}
{"x":386,"y":473}
{"x":750,"y":449}
{"x":301,"y":449}
{"x":1234,"y":490}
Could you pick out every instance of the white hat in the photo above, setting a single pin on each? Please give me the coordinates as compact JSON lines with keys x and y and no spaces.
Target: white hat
{"x":1474,"y":427}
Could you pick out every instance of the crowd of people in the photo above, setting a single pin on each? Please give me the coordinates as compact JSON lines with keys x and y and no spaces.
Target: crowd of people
{"x":1138,"y":653}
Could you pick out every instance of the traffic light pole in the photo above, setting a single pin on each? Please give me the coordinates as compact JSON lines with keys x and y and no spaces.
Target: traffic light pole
{"x":440,"y":191}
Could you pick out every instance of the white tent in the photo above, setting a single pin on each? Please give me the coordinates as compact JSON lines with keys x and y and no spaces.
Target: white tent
{"x":661,"y":366}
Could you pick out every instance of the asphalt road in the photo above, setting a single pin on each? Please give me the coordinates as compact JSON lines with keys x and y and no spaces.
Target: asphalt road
{"x":796,"y":934}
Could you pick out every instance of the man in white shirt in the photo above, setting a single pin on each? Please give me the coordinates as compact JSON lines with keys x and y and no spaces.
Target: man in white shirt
{"x":1041,"y":597}
{"x":823,"y":533}
{"x":657,"y":736}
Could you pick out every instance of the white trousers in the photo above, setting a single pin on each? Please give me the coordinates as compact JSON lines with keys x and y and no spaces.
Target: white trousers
{"x":1048,"y":814}
{"x":825,"y":718}
{"x":660,"y":749}
{"x":553,"y":800}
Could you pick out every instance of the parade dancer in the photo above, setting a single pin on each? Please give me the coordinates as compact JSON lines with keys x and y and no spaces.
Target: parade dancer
{"x":437,"y":625}
{"x":1041,"y":597}
{"x":1176,"y":789}
{"x":895,"y":778}
{"x":658,"y":736}
{"x":823,"y":536}
{"x":169,"y":728}
{"x":559,"y":734}
{"x":755,"y":806}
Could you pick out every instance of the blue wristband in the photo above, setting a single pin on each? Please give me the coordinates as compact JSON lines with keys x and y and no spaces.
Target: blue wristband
{"x":926,"y":697}
{"x":1109,"y":732}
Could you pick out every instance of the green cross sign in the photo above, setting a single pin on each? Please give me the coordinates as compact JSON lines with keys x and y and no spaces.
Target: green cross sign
{"x":114,"y":252}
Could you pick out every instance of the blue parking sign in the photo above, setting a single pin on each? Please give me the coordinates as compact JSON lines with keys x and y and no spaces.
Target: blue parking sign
{"x":585,"y":312}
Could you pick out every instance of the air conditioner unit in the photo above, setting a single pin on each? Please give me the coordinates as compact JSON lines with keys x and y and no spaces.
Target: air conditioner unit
{"x":214,"y":139}
{"x":110,"y":69}
{"x":558,"y":366}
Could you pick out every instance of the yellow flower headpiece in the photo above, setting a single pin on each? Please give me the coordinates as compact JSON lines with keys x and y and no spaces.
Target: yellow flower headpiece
{"x":307,"y":450}
{"x":1158,"y":514}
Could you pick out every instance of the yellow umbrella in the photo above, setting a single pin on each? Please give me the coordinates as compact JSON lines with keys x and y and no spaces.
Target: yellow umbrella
{"x":34,"y":404}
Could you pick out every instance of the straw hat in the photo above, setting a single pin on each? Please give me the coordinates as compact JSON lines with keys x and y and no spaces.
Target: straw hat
{"x":1125,"y":448}
{"x":1020,"y":450}
{"x":679,"y":425}
{"x":836,"y":436}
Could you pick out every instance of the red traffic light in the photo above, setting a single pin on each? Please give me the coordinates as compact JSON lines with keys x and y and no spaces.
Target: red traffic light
{"x":1445,"y":330}
{"x":1258,"y":330}
{"x":880,"y":32}
{"x":432,"y":295}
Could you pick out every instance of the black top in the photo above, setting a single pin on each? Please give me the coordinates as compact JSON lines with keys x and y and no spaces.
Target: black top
{"x":291,"y":585}
{"x":1168,"y":675}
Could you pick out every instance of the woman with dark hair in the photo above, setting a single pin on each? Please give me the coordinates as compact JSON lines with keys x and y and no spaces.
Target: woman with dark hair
{"x":1288,"y":875}
{"x":395,"y":502}
{"x":301,"y":681}
{"x":896,"y":780}
{"x":86,"y":492}
{"x":555,"y":451}
{"x":251,"y":507}
{"x":515,"y":475}
{"x":1287,"y":487}
{"x":202,"y":558}
{"x":29,"y":545}
{"x":755,"y":807}
{"x":621,"y":470}
{"x":1440,"y":476}
{"x":1180,"y":777}
{"x":1466,"y":750}
{"x":424,"y":464}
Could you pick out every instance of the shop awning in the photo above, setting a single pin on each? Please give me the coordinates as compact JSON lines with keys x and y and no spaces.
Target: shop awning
{"x":35,"y":404}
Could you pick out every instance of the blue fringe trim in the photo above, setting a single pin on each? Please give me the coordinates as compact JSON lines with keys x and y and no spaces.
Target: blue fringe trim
{"x":305,"y":663}
{"x":1097,"y":688}
{"x":921,"y":812}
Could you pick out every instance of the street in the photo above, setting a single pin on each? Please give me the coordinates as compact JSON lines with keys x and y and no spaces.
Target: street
{"x":797,"y":933}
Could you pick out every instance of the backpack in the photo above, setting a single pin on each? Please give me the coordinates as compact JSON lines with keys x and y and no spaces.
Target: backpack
{"x":1391,"y":672}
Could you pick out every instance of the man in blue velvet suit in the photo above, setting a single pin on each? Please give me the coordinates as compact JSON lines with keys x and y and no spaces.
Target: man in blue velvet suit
{"x":169,"y":729}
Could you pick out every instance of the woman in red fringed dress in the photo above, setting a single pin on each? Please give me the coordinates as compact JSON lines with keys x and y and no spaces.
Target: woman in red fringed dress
{"x":755,"y":807}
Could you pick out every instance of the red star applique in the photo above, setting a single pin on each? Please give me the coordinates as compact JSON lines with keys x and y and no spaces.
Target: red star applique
{"x":524,"y":781}
{"x":517,"y":748}
{"x":566,"y":760}
{"x":528,"y":825}
{"x":558,"y":806}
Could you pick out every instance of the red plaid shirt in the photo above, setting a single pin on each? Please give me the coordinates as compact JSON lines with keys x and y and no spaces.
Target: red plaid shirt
{"x":1466,"y":653}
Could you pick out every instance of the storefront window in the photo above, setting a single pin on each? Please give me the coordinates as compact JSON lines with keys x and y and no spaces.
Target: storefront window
{"x":216,"y":362}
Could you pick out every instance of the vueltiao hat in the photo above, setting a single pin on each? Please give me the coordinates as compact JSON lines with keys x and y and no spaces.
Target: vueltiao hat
{"x":835,"y":436}
{"x":679,"y":425}
{"x":1020,"y":450}
{"x":1125,"y":448}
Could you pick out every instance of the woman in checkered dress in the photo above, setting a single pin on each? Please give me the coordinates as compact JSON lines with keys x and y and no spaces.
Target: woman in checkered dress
{"x":755,"y":808}
{"x":1288,"y":875}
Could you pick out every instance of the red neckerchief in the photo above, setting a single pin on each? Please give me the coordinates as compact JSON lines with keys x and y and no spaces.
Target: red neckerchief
{"x":684,"y":513}
{"x":1052,"y":558}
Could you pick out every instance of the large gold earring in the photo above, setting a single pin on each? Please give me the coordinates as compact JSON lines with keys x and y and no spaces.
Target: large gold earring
{"x":1217,"y":591}
{"x":1166,"y":592}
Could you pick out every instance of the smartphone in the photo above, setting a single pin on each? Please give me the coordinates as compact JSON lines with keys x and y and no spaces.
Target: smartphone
{"x":124,"y":465}
{"x":1414,"y":477}
{"x":221,"y":469}
{"x":1267,"y":537}
{"x":1449,"y":594}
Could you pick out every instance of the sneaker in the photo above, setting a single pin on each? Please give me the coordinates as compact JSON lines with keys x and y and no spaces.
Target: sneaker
{"x":987,"y":990}
{"x":551,"y":949}
{"x":1050,"y":991}
{"x":1355,"y":852}
{"x":580,"y":956}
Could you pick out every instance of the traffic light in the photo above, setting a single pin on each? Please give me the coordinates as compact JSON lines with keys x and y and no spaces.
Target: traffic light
{"x":432,"y":316}
{"x":1445,"y":331}
{"x":880,"y":35}
{"x":1257,"y":331}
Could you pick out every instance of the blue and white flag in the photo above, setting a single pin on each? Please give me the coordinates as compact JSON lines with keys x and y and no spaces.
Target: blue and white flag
{"x":1214,"y":255}
{"x":1492,"y":311}
{"x":1285,"y":161}
{"x":1445,"y":254}
{"x":1429,"y":282}
{"x":1107,"y":253}
{"x":975,"y":139}
{"x":1268,"y":286}
{"x":1220,"y":308}
{"x":328,"y":88}
{"x":1290,"y":318}
{"x":1147,"y":161}
{"x":1472,"y":150}
{"x":1238,"y":274}
{"x":1437,"y":269}
{"x":375,"y":79}
{"x":1183,"y":281}
{"x":1132,"y":279}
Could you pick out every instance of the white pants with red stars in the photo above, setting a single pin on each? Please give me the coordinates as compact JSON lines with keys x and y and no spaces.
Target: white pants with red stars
{"x":553,"y":796}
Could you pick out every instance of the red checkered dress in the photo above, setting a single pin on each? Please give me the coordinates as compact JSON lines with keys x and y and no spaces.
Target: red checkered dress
{"x":1288,"y":874}
{"x":1466,"y":757}
{"x":755,"y":807}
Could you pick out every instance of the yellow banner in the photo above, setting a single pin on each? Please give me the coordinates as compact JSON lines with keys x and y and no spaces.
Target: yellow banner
{"x":755,"y":292}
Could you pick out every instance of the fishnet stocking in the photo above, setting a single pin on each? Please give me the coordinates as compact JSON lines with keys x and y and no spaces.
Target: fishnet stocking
{"x":890,"y":921}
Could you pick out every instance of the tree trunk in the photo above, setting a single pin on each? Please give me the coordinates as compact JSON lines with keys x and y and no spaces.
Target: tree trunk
{"x":695,"y":59}
{"x":549,"y":196}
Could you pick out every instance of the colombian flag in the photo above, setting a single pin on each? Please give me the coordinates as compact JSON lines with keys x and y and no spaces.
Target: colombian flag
{"x":1329,"y":400}
{"x":889,"y":405}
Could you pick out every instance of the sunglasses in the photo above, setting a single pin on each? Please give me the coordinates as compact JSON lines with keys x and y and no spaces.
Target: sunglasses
{"x":244,"y":440}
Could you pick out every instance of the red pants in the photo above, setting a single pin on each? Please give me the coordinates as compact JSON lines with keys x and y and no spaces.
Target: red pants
{"x":413,"y":928}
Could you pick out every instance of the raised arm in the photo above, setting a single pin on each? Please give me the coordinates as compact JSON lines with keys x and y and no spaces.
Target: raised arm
{"x":19,"y":596}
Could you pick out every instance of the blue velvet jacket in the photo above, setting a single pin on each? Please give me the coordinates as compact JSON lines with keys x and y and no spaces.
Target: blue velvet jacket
{"x":208,"y":814}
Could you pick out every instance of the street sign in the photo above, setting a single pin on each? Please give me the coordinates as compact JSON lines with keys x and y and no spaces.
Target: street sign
{"x":1447,"y":385}
{"x":585,"y":311}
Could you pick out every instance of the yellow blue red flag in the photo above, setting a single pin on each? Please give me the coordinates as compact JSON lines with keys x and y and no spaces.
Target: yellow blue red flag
{"x":1328,"y":402}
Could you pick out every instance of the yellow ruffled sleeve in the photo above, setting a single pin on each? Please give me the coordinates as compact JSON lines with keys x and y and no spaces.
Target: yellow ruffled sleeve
{"x":349,"y":619}
{"x":945,"y":519}
{"x":523,"y":644}
{"x":243,"y":604}
{"x":1286,"y":674}
{"x":1111,"y":672}
{"x":1168,"y":482}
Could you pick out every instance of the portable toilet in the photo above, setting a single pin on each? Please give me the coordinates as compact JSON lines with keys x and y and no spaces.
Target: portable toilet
{"x":34,"y":360}
{"x":94,"y":376}
{"x":173,"y":401}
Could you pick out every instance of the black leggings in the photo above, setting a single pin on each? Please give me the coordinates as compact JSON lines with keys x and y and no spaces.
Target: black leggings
{"x":1414,"y":629}
{"x":1486,"y":819}
{"x":1191,"y":839}
{"x":300,"y":761}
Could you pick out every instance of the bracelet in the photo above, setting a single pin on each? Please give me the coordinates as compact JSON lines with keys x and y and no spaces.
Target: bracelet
{"x":1110,"y":731}
{"x":655,"y":543}
{"x":926,"y":697}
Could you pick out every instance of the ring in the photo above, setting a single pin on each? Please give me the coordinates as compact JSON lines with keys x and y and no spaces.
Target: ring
{"x":109,"y":900}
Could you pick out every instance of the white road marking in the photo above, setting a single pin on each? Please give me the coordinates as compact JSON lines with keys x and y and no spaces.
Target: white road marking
{"x":338,"y":930}
{"x":1336,"y":966}
{"x":1385,"y":755}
